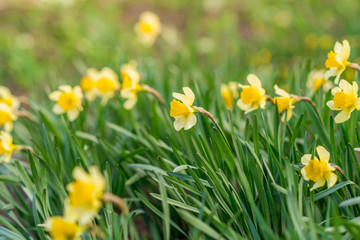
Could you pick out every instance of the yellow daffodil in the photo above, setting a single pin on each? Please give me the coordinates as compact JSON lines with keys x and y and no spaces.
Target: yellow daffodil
{"x":316,"y":79}
{"x":85,"y":194}
{"x":345,"y":99}
{"x":106,"y":84}
{"x":6,"y":147}
{"x":252,"y":96}
{"x":7,"y":116}
{"x":183,"y":111}
{"x":7,"y":98}
{"x":229,"y":93}
{"x":68,"y":100}
{"x":284,"y":102}
{"x":148,"y":28}
{"x":88,"y":82}
{"x":337,"y":60}
{"x":318,"y":170}
{"x":130,"y":85}
{"x":61,"y":228}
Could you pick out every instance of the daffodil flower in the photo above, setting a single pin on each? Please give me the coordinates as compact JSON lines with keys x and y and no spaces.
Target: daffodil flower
{"x":148,"y":28}
{"x":337,"y":60}
{"x":130,"y":85}
{"x":252,"y":96}
{"x":85,"y":194}
{"x":106,"y":84}
{"x":229,"y":93}
{"x":316,"y":79}
{"x":68,"y":100}
{"x":88,"y":82}
{"x":7,"y":116}
{"x":284,"y":102}
{"x":318,"y":170}
{"x":61,"y":228}
{"x":345,"y":99}
{"x":6,"y":147}
{"x":7,"y":98}
{"x":183,"y":112}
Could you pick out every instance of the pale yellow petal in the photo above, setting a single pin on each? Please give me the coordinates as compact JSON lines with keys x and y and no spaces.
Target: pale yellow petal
{"x":280,"y":91}
{"x":331,"y":105}
{"x":254,"y":81}
{"x":57,"y":109}
{"x":331,"y":179}
{"x":179,"y":123}
{"x":324,"y":155}
{"x":343,"y":116}
{"x":73,"y":114}
{"x":346,"y":86}
{"x":319,"y":183}
{"x":303,"y":173}
{"x":54,"y":96}
{"x":190,"y":121}
{"x":305,"y":159}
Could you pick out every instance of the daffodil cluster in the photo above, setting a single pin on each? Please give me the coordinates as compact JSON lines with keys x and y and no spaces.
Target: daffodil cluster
{"x":81,"y":206}
{"x":345,"y":95}
{"x":9,"y":107}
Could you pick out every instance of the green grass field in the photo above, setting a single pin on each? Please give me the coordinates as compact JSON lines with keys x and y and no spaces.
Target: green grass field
{"x":240,"y":175}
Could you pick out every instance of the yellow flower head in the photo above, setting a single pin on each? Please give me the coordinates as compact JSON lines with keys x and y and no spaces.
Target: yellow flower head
{"x":252,"y":96}
{"x":85,"y":194}
{"x":318,"y":170}
{"x":284,"y":102}
{"x":183,"y":111}
{"x":148,"y":28}
{"x":68,"y":100}
{"x":7,"y":116}
{"x":337,"y":60}
{"x":87,"y":83}
{"x":106,"y":84}
{"x":6,"y":146}
{"x":61,"y":228}
{"x":130,"y":85}
{"x":345,"y":99}
{"x":7,"y":98}
{"x":316,"y":79}
{"x":229,"y":93}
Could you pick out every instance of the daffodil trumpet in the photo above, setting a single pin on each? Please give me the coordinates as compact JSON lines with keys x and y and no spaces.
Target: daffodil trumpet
{"x":152,"y":91}
{"x":118,"y":201}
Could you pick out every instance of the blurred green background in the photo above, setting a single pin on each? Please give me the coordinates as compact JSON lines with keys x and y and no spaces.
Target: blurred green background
{"x":48,"y":42}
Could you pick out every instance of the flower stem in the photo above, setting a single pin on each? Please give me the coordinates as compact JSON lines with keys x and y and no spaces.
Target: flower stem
{"x":302,"y":99}
{"x":355,"y":66}
{"x":206,"y":113}
{"x":109,"y":197}
{"x":25,"y":114}
{"x":153,"y":92}
{"x":270,"y":99}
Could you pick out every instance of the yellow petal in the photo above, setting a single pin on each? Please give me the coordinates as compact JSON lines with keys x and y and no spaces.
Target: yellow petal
{"x":254,"y":81}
